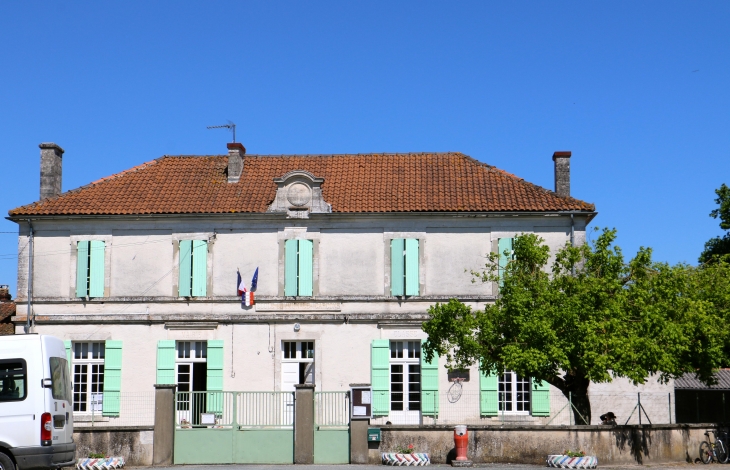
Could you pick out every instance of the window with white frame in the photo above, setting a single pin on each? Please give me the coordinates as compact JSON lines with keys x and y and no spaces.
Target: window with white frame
{"x":297,"y":363}
{"x":405,"y":376}
{"x":191,"y":375}
{"x":88,"y":377}
{"x":514,"y":393}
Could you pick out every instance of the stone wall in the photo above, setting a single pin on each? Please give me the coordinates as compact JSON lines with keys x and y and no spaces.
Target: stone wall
{"x":134,"y":444}
{"x":619,"y":445}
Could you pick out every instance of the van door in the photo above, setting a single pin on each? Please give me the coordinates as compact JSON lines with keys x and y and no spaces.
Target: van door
{"x":61,"y":409}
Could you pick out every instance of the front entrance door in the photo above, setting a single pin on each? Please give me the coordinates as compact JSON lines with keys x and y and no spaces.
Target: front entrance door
{"x":191,"y":376}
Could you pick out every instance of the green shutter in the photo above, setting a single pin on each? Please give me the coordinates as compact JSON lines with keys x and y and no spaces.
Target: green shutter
{"x":504,"y":245}
{"x":166,"y":362}
{"x":380,"y":376}
{"x":67,"y":345}
{"x":200,"y":267}
{"x":186,"y":265}
{"x":96,"y":269}
{"x":82,"y":269}
{"x":397,"y":267}
{"x":214,"y":401}
{"x":306,"y":248}
{"x":540,"y":399}
{"x":411,"y":266}
{"x":488,"y":394}
{"x":429,"y":385}
{"x":112,"y":378}
{"x":290,"y":267}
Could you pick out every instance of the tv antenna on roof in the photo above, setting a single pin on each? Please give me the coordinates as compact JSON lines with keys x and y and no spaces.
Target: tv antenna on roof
{"x":230,"y":125}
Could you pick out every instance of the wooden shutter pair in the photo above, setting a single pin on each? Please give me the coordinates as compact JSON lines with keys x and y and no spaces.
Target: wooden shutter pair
{"x":193,"y":280}
{"x":404,"y":267}
{"x":298,"y":270}
{"x":90,"y":268}
{"x":380,"y":380}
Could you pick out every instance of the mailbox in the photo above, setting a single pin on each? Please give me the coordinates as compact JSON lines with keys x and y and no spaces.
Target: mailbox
{"x":374,"y":435}
{"x":361,"y":401}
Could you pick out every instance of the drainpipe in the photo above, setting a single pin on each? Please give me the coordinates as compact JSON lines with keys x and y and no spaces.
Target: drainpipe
{"x":28,"y":323}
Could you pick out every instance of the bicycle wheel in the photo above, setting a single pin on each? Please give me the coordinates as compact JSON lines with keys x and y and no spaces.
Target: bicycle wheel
{"x":705,"y":452}
{"x":721,"y":451}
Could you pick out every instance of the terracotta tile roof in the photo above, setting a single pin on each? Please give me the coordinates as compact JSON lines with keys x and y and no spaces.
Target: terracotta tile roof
{"x":411,"y":182}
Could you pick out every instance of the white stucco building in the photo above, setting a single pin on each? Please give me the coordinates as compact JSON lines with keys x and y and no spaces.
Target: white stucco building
{"x":137,"y":272}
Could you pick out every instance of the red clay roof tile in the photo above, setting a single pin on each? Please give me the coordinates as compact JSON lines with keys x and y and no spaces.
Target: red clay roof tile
{"x":414,"y":182}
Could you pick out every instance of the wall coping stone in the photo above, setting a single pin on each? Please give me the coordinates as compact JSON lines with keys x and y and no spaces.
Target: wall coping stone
{"x":538,"y":427}
{"x":113,"y":428}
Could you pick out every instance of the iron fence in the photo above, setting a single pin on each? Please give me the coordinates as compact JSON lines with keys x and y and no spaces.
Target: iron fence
{"x":553,"y":408}
{"x":122,"y":409}
{"x":331,"y":409}
{"x":227,"y":410}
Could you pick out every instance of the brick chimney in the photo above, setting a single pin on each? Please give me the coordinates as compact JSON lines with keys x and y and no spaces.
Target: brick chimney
{"x":51,"y":155}
{"x":236,"y":151}
{"x":562,"y":173}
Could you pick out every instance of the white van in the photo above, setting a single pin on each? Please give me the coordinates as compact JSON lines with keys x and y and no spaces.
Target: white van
{"x":36,"y":413}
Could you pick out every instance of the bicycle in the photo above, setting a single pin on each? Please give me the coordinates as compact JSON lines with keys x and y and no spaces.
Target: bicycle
{"x":717,"y":450}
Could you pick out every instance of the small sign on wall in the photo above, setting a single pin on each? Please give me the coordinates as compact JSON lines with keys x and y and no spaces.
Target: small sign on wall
{"x":361,"y":402}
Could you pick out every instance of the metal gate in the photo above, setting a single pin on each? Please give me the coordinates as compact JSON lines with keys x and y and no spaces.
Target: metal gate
{"x":234,"y":427}
{"x":331,"y":427}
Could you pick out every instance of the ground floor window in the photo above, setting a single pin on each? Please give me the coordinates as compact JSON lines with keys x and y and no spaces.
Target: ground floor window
{"x":88,"y":377}
{"x":405,"y":382}
{"x":514,"y":393}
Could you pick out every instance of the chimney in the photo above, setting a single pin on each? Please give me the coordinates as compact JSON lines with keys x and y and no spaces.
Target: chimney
{"x":236,"y":151}
{"x":5,"y":293}
{"x":51,"y":155}
{"x":562,"y":173}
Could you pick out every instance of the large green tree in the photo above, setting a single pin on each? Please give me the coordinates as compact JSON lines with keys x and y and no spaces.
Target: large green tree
{"x":719,"y":246}
{"x":588,"y":318}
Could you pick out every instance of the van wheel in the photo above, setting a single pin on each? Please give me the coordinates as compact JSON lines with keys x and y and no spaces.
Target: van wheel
{"x":5,"y":462}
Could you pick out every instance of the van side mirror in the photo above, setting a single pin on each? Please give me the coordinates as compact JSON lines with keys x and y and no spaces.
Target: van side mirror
{"x":46,"y":383}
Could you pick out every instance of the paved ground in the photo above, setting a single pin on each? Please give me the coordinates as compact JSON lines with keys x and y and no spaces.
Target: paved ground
{"x":683,"y":466}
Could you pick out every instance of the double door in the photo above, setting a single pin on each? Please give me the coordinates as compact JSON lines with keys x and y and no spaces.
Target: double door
{"x":192,"y":378}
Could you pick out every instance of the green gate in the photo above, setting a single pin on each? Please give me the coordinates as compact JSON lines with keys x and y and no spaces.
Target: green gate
{"x":234,"y":427}
{"x":331,"y":427}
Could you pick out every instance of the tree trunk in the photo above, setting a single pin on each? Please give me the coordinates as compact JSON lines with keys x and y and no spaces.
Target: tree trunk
{"x":576,"y":390}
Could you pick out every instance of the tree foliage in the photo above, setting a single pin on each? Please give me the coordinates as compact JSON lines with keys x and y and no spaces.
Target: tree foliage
{"x":719,"y":246}
{"x":590,"y":317}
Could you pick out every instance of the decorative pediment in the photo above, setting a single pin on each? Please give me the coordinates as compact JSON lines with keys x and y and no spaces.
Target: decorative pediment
{"x":299,"y":194}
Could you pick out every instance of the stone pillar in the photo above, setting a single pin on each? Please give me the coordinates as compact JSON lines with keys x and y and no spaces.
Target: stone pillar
{"x":51,"y":156}
{"x":359,"y":441}
{"x":562,"y":173}
{"x":304,"y":424}
{"x":163,"y":443}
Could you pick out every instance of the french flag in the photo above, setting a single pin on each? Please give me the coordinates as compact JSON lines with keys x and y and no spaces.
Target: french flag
{"x":247,"y":298}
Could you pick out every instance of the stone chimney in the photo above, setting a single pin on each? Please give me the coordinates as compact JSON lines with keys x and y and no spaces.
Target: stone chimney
{"x":562,"y":173}
{"x":5,"y":293}
{"x":51,"y":155}
{"x":236,"y":151}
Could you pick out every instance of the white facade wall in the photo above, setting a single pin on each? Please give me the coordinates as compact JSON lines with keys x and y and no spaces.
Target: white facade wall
{"x":351,"y":305}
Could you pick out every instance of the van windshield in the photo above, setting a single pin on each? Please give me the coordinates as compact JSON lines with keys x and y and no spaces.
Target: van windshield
{"x":13,"y":380}
{"x":61,"y":385}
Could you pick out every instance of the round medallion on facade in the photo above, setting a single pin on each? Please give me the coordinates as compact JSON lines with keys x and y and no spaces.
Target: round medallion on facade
{"x":298,"y":194}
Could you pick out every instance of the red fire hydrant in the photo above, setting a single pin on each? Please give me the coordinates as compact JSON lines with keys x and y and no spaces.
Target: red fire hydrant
{"x":461,"y":441}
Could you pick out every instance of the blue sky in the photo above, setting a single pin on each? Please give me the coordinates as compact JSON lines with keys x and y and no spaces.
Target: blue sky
{"x":638,"y":91}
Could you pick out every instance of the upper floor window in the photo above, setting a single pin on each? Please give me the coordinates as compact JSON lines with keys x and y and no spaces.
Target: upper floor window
{"x":90,"y":268}
{"x":298,"y":271}
{"x":404,"y":276}
{"x":193,"y":280}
